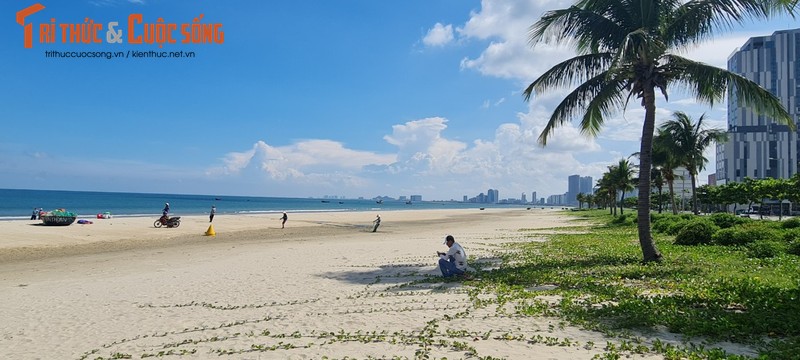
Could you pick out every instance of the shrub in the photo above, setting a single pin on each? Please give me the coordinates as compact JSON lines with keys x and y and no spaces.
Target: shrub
{"x":621,"y":220}
{"x":661,"y":223}
{"x":765,"y":248}
{"x":794,"y":248}
{"x":726,"y":220}
{"x":791,"y":235}
{"x":687,"y":216}
{"x":728,"y":237}
{"x":696,"y":232}
{"x":792,"y":223}
{"x":745,"y":234}
{"x":675,"y":226}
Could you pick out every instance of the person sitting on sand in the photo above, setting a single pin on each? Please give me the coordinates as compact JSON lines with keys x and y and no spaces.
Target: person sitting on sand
{"x":454,"y":261}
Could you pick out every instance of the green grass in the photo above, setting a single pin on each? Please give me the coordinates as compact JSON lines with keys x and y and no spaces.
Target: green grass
{"x":717,"y":293}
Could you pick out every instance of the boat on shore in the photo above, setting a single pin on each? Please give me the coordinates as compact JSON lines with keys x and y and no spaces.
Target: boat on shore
{"x":59,"y":217}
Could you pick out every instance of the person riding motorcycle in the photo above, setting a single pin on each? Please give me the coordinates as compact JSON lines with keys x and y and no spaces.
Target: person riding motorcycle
{"x":165,"y":214}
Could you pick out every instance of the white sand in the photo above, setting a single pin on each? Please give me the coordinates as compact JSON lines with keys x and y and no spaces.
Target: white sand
{"x":255,"y":291}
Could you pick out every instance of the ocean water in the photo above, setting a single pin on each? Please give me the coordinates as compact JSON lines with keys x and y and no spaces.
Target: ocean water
{"x":18,"y":204}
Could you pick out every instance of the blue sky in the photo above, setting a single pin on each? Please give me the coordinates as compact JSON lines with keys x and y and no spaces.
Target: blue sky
{"x":307,"y":98}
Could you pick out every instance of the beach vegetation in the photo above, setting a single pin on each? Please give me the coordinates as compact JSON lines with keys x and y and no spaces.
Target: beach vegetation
{"x":738,"y":291}
{"x":630,"y":50}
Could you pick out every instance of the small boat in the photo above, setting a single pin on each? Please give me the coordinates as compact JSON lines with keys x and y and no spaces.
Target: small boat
{"x":59,"y":217}
{"x":408,"y":202}
{"x":341,"y":202}
{"x":380,"y":201}
{"x":217,"y":199}
{"x":325,"y":201}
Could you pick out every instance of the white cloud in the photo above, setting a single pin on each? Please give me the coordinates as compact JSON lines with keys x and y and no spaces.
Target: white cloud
{"x":438,"y":35}
{"x":305,"y":167}
{"x":426,"y":162}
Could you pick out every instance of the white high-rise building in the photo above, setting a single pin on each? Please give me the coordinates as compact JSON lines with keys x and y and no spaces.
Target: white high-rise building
{"x":757,"y":146}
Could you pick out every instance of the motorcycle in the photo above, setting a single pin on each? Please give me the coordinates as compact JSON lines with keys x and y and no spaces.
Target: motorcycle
{"x":174,"y":221}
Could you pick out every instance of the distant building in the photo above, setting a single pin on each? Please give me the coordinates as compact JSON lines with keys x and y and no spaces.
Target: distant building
{"x":586,"y":185}
{"x":534,"y":199}
{"x":466,"y":198}
{"x":557,"y":199}
{"x":523,"y":199}
{"x":493,"y":197}
{"x":416,"y":197}
{"x":573,"y":188}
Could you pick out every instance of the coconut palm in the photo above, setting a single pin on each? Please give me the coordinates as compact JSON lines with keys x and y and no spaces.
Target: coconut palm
{"x":665,"y":159}
{"x":607,"y":191}
{"x":622,"y":176}
{"x":629,"y":49}
{"x":689,"y":141}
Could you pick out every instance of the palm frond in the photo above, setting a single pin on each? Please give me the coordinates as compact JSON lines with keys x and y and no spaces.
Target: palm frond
{"x":604,"y":103}
{"x":596,"y":94}
{"x":566,"y":73}
{"x":592,"y":30}
{"x":709,"y":84}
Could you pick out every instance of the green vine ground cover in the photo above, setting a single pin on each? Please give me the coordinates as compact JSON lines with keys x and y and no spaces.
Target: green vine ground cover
{"x":709,"y":292}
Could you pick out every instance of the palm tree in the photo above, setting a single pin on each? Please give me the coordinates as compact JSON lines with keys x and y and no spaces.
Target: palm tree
{"x":689,"y":141}
{"x":581,"y":197}
{"x":622,"y":176}
{"x":665,"y":159}
{"x":629,"y":49}
{"x":589,"y":200}
{"x":607,"y":191}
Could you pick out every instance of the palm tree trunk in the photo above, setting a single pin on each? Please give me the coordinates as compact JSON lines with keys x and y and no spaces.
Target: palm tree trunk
{"x":694,"y":192}
{"x":621,"y":202}
{"x":649,"y":251}
{"x":660,"y":197}
{"x":672,"y":197}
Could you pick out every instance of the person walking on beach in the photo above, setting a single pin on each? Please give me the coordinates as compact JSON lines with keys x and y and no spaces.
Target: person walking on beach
{"x":377,"y":223}
{"x":454,"y":261}
{"x":283,"y":219}
{"x":213,"y":211}
{"x":35,"y":214}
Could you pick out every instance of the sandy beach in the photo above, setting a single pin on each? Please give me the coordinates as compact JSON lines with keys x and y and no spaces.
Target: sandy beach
{"x":324,"y":287}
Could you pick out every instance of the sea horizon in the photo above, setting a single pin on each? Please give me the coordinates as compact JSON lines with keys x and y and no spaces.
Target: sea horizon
{"x":18,"y":204}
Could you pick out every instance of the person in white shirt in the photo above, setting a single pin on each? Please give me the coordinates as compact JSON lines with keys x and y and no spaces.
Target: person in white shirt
{"x":454,"y":261}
